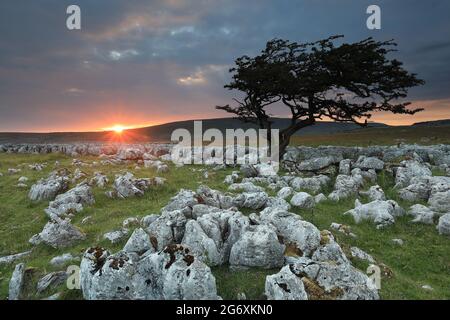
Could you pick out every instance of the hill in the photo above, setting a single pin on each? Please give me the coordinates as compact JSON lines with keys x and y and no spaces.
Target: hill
{"x":436,"y":123}
{"x":320,"y":133}
{"x":162,"y":133}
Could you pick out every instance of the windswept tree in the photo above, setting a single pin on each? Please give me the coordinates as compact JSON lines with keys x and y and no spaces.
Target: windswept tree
{"x":319,"y":80}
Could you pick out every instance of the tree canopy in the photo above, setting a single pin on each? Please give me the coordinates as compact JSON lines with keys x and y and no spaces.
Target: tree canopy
{"x":320,"y":80}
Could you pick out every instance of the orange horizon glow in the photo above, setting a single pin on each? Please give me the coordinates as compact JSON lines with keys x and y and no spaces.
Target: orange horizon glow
{"x":117,"y":128}
{"x":122,"y":120}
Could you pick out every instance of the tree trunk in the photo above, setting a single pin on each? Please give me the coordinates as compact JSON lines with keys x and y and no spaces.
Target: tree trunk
{"x":284,"y":143}
{"x":286,"y":134}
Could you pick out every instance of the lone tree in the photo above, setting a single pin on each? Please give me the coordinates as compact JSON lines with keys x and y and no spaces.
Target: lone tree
{"x":318,"y":80}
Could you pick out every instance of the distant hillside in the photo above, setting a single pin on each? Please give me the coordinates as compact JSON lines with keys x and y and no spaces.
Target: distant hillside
{"x":162,"y":133}
{"x":436,"y":123}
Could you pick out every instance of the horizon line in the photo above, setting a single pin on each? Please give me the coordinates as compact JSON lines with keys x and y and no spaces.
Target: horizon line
{"x":137,"y":127}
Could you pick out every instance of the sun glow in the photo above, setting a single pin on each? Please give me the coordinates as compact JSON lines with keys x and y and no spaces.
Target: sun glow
{"x":122,"y":134}
{"x":118,"y":128}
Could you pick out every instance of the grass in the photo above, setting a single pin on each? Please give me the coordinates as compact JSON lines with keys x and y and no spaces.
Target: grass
{"x":423,"y":259}
{"x":379,"y":136}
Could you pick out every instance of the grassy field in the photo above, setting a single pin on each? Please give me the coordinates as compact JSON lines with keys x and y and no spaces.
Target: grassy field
{"x":379,"y":136}
{"x":424,"y":259}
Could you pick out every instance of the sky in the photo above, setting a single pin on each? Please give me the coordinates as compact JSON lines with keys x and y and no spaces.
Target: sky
{"x":139,"y":63}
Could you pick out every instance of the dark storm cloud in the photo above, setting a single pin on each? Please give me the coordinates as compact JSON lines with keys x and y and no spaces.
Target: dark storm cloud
{"x":161,"y":60}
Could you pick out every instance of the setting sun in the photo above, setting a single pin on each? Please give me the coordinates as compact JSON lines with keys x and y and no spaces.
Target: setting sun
{"x":118,"y":129}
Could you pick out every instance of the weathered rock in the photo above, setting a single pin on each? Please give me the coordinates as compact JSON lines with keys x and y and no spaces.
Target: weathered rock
{"x":37,"y":166}
{"x":374,"y":193}
{"x":382,"y":213}
{"x":319,"y":198}
{"x":415,"y":192}
{"x":345,"y":166}
{"x":184,"y":200}
{"x":422,"y":214}
{"x":245,"y":187}
{"x":126,"y":186}
{"x":48,"y":189}
{"x":99,"y":180}
{"x":325,"y":280}
{"x":409,"y":170}
{"x":16,"y":283}
{"x":164,"y":168}
{"x":303,"y":200}
{"x":139,"y":242}
{"x":248,"y":171}
{"x":285,"y":286}
{"x":295,"y":232}
{"x":279,"y":203}
{"x":153,"y":164}
{"x":12,"y":171}
{"x":62,"y":259}
{"x":35,"y":240}
{"x":215,"y":198}
{"x":329,"y":251}
{"x":148,"y":220}
{"x":199,"y":210}
{"x":52,"y":279}
{"x":277,"y":185}
{"x":156,"y":164}
{"x":78,"y":175}
{"x":344,"y":187}
{"x":231,"y":178}
{"x":362,"y":255}
{"x":167,"y":229}
{"x":187,"y":278}
{"x":171,"y":274}
{"x":22,"y":179}
{"x":312,"y":184}
{"x":398,"y":241}
{"x":231,"y":227}
{"x":149,"y":156}
{"x":366,"y":163}
{"x":59,"y":233}
{"x":129,"y":154}
{"x":257,"y":247}
{"x":130,"y":222}
{"x":285,"y":192}
{"x":368,"y":176}
{"x":439,"y":201}
{"x":156,"y":181}
{"x":342,"y":228}
{"x":14,"y":257}
{"x":202,"y":246}
{"x":251,"y":200}
{"x":444,"y":225}
{"x":265,"y":169}
{"x":55,"y":296}
{"x":216,"y":225}
{"x":70,"y":202}
{"x":241,"y":296}
{"x":316,"y":164}
{"x":116,"y":236}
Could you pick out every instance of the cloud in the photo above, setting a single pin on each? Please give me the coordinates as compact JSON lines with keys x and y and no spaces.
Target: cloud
{"x":197,"y":78}
{"x":202,"y":74}
{"x":182,"y":30}
{"x":73,"y":91}
{"x":168,"y":59}
{"x":124,"y":54}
